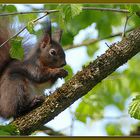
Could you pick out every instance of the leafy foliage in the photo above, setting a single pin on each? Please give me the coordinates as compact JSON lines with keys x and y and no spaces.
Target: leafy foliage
{"x":133,"y":8}
{"x":113,"y":129}
{"x":106,"y":93}
{"x":10,"y":8}
{"x":8,"y":130}
{"x":115,"y":90}
{"x":68,"y":11}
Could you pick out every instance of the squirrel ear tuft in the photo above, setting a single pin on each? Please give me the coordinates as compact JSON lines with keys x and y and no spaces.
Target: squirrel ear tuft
{"x":48,"y":30}
{"x":47,"y":39}
{"x":57,"y":35}
{"x":45,"y":42}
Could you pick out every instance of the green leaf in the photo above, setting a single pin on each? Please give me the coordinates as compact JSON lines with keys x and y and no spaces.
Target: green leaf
{"x":135,"y":21}
{"x":30,"y":27}
{"x":91,"y":49}
{"x":113,"y":129}
{"x":67,"y":38}
{"x":16,"y":51}
{"x":8,"y":130}
{"x":90,"y":107}
{"x":71,"y":11}
{"x":67,"y":12}
{"x":104,"y":27}
{"x":133,"y":8}
{"x":11,"y":8}
{"x":50,"y":6}
{"x":81,"y":112}
{"x":70,"y":72}
{"x":134,"y":107}
{"x":4,"y":133}
{"x":27,"y":17}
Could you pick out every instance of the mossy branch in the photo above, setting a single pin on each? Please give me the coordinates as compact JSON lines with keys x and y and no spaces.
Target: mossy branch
{"x":80,"y":84}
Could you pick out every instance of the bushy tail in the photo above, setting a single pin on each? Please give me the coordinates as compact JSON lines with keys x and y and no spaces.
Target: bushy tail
{"x":4,"y":50}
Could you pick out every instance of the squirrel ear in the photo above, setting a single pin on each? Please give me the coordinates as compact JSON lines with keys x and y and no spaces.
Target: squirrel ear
{"x":58,"y":35}
{"x":48,"y":29}
{"x":47,"y":39}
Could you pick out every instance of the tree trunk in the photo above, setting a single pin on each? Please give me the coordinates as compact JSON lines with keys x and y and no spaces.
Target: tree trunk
{"x":80,"y":84}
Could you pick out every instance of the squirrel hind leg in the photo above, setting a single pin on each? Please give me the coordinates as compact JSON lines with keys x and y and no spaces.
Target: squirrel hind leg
{"x":6,"y":114}
{"x":36,"y":101}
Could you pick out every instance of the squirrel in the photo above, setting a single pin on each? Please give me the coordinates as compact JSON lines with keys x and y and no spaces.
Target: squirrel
{"x":19,"y":79}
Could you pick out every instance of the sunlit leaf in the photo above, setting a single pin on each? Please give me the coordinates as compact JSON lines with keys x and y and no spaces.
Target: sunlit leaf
{"x":134,"y":108}
{"x":113,"y":129}
{"x":30,"y":27}
{"x":8,"y":130}
{"x":91,"y":49}
{"x":16,"y":51}
{"x":67,"y":12}
{"x":10,"y":8}
{"x":70,"y":72}
{"x":133,"y":7}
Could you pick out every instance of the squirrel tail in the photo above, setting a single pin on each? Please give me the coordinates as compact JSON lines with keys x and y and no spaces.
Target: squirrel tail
{"x":4,"y":50}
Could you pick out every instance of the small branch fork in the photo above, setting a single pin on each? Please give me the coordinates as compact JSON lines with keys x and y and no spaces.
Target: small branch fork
{"x":126,"y":21}
{"x":34,"y":21}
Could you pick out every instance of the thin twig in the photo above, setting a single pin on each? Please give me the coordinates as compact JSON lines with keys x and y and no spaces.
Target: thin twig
{"x":72,"y":122}
{"x":92,"y":41}
{"x":101,"y":117}
{"x":50,"y":131}
{"x":106,"y":9}
{"x":52,"y":11}
{"x":15,"y":35}
{"x":107,"y":45}
{"x":31,"y":12}
{"x":12,"y":36}
{"x":126,"y":21}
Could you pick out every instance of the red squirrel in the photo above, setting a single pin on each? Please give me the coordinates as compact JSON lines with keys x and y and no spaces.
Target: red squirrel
{"x":19,"y":79}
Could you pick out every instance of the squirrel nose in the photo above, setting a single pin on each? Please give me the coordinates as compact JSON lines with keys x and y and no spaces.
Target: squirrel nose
{"x":63,"y":64}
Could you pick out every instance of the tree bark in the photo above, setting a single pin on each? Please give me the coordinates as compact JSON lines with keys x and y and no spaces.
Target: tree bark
{"x":80,"y":84}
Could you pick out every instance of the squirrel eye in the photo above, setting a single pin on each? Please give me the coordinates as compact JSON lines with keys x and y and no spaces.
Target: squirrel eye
{"x":52,"y":52}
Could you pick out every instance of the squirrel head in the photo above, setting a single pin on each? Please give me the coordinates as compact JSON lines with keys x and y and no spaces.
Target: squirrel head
{"x":51,"y":52}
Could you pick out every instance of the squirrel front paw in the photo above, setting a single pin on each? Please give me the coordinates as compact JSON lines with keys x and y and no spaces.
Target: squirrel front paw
{"x":62,"y":73}
{"x":37,"y":101}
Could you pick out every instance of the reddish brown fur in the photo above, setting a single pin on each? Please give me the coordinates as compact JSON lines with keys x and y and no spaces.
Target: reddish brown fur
{"x":18,"y":93}
{"x":4,"y":50}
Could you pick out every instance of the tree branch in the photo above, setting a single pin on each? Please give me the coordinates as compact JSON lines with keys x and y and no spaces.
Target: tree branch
{"x":52,"y":11}
{"x":80,"y":84}
{"x":92,"y":41}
